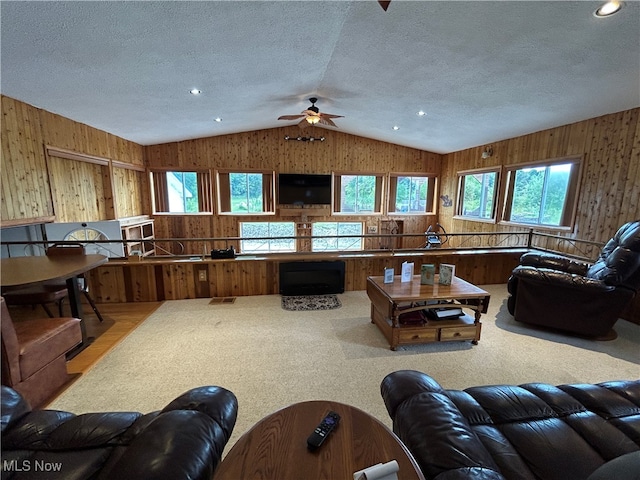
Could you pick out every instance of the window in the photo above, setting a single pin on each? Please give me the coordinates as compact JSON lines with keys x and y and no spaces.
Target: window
{"x":358,"y":194}
{"x":335,"y":230}
{"x":477,"y":192}
{"x":181,"y":192}
{"x":411,"y":194}
{"x":543,"y":194}
{"x":246,"y":193}
{"x":255,"y":237}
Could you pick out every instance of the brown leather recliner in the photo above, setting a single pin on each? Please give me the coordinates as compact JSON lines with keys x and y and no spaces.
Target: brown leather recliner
{"x":34,"y":354}
{"x":557,"y":292}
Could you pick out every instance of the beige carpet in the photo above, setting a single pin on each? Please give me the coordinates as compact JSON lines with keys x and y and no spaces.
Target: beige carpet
{"x":271,"y":358}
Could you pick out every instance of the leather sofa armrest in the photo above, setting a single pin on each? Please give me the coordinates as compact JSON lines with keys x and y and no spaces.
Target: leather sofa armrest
{"x":216,"y":402}
{"x":403,"y":384}
{"x":439,"y":436}
{"x":554,"y":262}
{"x":176,"y":444}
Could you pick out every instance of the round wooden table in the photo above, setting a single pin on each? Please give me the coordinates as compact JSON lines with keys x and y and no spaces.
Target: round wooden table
{"x":276,"y":447}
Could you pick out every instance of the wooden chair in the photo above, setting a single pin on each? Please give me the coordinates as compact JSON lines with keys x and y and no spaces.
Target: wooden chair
{"x":34,"y":354}
{"x":52,"y":292}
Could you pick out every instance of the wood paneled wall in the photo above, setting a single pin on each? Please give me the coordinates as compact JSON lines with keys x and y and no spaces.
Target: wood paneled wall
{"x":609,"y":194}
{"x":25,"y":182}
{"x":65,"y":190}
{"x":135,"y":183}
{"x":75,"y":187}
{"x":267,"y":150}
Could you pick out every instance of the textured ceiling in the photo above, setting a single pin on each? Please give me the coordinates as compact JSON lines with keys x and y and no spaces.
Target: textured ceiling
{"x":482,"y":71}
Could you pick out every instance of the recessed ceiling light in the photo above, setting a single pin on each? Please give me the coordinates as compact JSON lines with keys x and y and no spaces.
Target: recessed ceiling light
{"x":195,"y":91}
{"x":395,"y":127}
{"x":421,"y":113}
{"x":608,"y":9}
{"x":218,"y":119}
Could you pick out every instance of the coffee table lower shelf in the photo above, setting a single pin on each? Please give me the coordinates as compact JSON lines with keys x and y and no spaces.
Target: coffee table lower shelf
{"x":458,"y":329}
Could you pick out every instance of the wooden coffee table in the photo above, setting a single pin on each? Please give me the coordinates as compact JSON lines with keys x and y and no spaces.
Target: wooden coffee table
{"x":276,"y":447}
{"x":389,"y":301}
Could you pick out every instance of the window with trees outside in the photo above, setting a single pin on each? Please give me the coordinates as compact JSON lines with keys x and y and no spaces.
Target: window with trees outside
{"x":543,"y":194}
{"x":335,"y":241}
{"x":357,"y":194}
{"x":477,"y":194}
{"x":246,"y":193}
{"x":411,"y":193}
{"x":181,"y":192}
{"x":263,"y":237}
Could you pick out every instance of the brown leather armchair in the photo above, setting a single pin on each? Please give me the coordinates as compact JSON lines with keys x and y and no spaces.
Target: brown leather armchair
{"x":557,"y":292}
{"x":34,"y":354}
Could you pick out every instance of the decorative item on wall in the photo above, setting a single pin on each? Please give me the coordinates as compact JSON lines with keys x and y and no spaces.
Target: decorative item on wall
{"x":446,"y":201}
{"x":487,"y":152}
{"x":304,"y":139}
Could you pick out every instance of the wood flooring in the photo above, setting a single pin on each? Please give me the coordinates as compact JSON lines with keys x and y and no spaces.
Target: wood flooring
{"x":120,"y":319}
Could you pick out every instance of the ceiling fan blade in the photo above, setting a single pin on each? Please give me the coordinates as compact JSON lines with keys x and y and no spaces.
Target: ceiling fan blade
{"x":290,"y":117}
{"x":329,"y":115}
{"x":327,"y":121}
{"x":384,"y":4}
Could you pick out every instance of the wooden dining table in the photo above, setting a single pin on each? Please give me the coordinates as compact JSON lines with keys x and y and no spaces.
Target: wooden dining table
{"x":33,"y":270}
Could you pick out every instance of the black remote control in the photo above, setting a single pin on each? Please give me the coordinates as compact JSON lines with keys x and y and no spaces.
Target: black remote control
{"x":323,"y":430}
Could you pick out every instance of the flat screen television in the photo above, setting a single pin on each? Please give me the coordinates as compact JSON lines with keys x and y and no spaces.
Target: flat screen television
{"x":304,"y":189}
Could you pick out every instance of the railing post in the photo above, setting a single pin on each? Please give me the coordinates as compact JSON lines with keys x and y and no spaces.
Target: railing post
{"x":530,"y":239}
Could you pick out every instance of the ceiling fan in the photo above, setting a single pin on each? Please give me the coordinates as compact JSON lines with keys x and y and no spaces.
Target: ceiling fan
{"x":312,"y":116}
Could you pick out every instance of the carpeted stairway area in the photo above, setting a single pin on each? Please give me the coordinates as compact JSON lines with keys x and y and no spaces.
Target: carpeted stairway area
{"x":270,"y":357}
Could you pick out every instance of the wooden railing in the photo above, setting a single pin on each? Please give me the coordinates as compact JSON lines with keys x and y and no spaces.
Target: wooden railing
{"x":188,"y":247}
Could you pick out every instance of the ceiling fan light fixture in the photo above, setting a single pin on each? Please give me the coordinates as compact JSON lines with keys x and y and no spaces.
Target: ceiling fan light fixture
{"x":313,"y":119}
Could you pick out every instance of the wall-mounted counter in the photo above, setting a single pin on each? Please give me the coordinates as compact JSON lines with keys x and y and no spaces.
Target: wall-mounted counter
{"x":176,"y":278}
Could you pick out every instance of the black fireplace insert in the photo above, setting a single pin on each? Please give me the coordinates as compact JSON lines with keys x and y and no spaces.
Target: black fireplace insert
{"x":311,"y":278}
